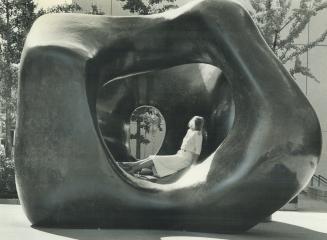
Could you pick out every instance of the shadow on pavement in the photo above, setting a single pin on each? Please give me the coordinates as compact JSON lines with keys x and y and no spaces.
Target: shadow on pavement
{"x":263,"y":231}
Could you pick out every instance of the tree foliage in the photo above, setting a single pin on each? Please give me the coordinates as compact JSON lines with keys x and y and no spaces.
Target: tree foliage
{"x":95,"y":10}
{"x":146,"y":7}
{"x":62,"y":8}
{"x":281,"y":24}
{"x":7,"y":177}
{"x":148,"y":119}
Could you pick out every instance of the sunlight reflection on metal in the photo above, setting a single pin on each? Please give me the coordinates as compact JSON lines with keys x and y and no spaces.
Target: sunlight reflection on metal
{"x":209,"y":75}
{"x":196,"y":175}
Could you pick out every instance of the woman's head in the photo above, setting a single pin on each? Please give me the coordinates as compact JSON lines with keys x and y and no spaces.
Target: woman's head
{"x":196,"y":123}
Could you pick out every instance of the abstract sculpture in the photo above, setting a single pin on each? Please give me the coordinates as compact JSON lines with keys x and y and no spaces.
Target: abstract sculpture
{"x":264,"y":139}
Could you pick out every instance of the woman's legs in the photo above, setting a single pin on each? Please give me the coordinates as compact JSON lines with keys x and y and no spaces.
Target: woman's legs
{"x":146,"y":163}
{"x":133,"y":167}
{"x":131,"y":164}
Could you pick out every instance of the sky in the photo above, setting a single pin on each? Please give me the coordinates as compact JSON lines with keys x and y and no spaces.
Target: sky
{"x":50,"y":3}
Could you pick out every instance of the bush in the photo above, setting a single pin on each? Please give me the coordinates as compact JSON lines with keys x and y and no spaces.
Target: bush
{"x":7,"y":177}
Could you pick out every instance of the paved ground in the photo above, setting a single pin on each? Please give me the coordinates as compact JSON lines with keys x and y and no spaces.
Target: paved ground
{"x":285,"y":225}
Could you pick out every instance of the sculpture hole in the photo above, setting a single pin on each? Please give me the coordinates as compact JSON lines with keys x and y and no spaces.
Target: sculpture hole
{"x":180,"y":92}
{"x":146,"y":131}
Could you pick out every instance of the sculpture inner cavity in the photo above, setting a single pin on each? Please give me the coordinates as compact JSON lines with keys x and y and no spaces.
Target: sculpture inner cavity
{"x":179,"y":92}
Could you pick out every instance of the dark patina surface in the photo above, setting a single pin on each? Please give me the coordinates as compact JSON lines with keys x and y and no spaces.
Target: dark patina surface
{"x":264,"y":139}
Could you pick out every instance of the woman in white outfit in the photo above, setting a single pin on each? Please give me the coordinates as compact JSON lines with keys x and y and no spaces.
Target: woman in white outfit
{"x":189,"y":152}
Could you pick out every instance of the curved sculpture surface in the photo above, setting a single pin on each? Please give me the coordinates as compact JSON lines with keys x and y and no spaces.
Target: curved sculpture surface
{"x":264,"y":138}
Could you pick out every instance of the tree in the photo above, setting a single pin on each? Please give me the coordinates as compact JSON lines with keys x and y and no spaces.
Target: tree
{"x":146,"y":118}
{"x":7,"y":177}
{"x":95,"y":10}
{"x":146,"y":7}
{"x":281,"y":24}
{"x":62,"y":8}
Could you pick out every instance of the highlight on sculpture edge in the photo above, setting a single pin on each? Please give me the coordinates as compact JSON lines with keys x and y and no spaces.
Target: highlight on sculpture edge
{"x":264,"y":138}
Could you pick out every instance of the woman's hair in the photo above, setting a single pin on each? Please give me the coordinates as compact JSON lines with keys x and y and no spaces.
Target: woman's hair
{"x":196,"y":123}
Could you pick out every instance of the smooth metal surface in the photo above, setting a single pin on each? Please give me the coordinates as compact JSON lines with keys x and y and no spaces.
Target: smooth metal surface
{"x":67,"y":177}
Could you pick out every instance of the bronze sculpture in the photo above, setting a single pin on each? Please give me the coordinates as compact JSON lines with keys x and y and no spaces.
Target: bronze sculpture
{"x":269,"y":136}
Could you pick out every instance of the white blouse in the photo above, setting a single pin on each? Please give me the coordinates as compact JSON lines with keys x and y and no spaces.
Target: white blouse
{"x":192,"y":141}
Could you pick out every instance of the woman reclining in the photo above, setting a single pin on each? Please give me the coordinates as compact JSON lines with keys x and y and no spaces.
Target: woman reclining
{"x":189,"y":152}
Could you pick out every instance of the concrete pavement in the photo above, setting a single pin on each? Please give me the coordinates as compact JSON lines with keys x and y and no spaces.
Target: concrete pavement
{"x":285,"y":225}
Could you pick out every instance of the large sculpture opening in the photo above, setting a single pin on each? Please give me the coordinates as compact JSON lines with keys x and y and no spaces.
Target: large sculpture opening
{"x":180,"y":93}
